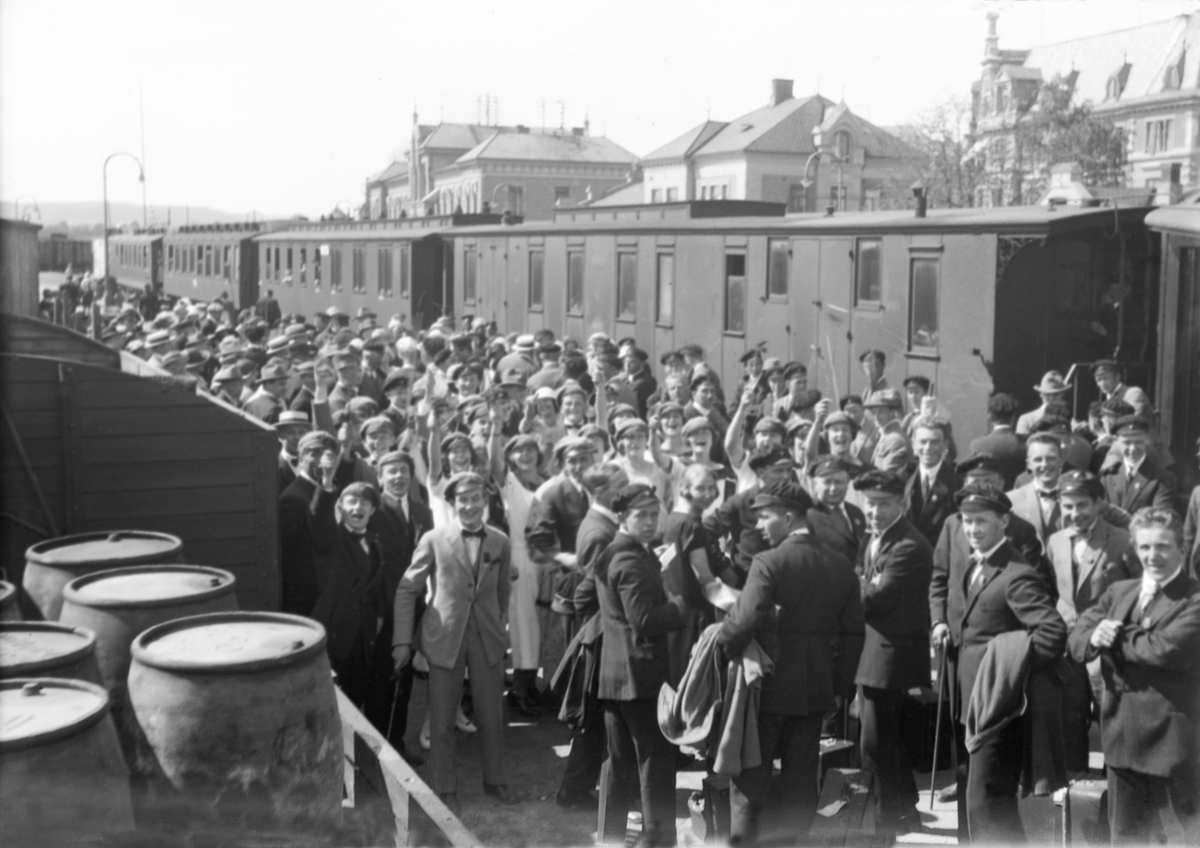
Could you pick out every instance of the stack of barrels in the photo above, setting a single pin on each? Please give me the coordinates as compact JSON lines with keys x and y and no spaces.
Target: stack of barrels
{"x":139,"y":697}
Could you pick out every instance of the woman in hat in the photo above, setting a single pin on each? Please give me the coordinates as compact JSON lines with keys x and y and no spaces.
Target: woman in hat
{"x":515,"y":468}
{"x":541,"y":419}
{"x":632,"y":444}
{"x":447,"y":456}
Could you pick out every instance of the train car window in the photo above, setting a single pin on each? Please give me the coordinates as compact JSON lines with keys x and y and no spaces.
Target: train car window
{"x":384,"y":272}
{"x":170,"y":257}
{"x":275,"y":264}
{"x":868,"y":281}
{"x":665,"y":285}
{"x":404,"y":271}
{"x":289,"y":265}
{"x":627,"y":286}
{"x":303,"y":267}
{"x":470,"y":267}
{"x":778,"y":262}
{"x":358,"y":270}
{"x":575,"y":282}
{"x":735,"y":293}
{"x":226,"y":269}
{"x":537,"y":280}
{"x":923,"y":304}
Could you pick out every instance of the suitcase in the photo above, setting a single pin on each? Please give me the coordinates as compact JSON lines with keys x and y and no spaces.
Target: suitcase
{"x":1087,"y":812}
{"x":716,"y":813}
{"x":846,"y":811}
{"x":1044,"y":819}
{"x":836,"y":753}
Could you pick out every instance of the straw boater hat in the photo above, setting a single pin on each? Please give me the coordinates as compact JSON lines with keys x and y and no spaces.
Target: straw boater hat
{"x":1052,"y":384}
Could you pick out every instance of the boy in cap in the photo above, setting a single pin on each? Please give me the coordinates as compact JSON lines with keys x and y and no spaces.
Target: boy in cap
{"x":309,"y":497}
{"x":802,"y":601}
{"x":1137,"y":480}
{"x":891,"y":449}
{"x":834,"y":523}
{"x":735,"y":522}
{"x":466,"y":566}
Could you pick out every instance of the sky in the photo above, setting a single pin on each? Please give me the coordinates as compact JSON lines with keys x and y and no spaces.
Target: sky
{"x":288,"y":107}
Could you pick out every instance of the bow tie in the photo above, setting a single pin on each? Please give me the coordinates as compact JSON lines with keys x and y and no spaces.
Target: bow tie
{"x":477,"y":534}
{"x":1047,"y":494}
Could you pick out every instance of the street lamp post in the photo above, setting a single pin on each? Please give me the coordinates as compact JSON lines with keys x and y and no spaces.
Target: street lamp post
{"x":141,"y":179}
{"x":25,"y":216}
{"x":806,"y":182}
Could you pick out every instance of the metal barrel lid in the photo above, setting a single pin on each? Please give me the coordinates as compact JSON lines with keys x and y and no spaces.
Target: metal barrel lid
{"x":116,"y":547}
{"x":35,"y":711}
{"x":8,"y":594}
{"x":149,"y":586}
{"x":32,"y":648}
{"x":224,"y":642}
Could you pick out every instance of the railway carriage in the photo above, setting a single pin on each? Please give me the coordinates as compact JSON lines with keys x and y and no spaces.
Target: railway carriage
{"x":135,"y":259}
{"x":203,"y":261}
{"x":976,"y":300}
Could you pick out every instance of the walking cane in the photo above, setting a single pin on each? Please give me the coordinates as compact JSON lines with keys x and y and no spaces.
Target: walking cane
{"x":937,"y":732}
{"x":392,"y":714}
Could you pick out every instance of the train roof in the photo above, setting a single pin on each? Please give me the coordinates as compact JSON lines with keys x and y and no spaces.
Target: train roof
{"x":1008,"y":220}
{"x":137,"y":237}
{"x":390,"y":229}
{"x":1182,"y":217}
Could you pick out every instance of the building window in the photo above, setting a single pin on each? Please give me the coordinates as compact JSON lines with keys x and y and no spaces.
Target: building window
{"x":384,"y":272}
{"x":358,"y":270}
{"x":656,"y":195}
{"x":575,"y":282}
{"x":868,"y":282}
{"x":797,"y":198}
{"x":404,"y":270}
{"x":672,"y":195}
{"x":537,"y":280}
{"x":841,"y":146}
{"x":335,"y":269}
{"x":923,"y":304}
{"x":317,"y":266}
{"x":1158,"y":135}
{"x":470,"y":269}
{"x":266,"y":274}
{"x":666,"y":289}
{"x":276,"y":264}
{"x":627,"y":286}
{"x":778,"y":260}
{"x":303,"y":267}
{"x":735,"y":293}
{"x":170,"y":257}
{"x":837,"y":197}
{"x":208,"y":263}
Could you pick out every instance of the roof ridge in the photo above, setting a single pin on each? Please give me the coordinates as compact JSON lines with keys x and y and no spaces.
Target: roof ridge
{"x":1176,"y":18}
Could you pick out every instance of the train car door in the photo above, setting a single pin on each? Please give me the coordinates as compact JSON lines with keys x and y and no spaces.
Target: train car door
{"x":771,"y":286}
{"x":804,"y":315}
{"x":835,"y":334}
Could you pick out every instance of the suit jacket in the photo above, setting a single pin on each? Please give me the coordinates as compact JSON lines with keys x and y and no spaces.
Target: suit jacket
{"x":892,"y":452}
{"x":1009,"y":450}
{"x":596,"y":533}
{"x":734,"y":521}
{"x":399,"y":536}
{"x":1025,"y":504}
{"x":1150,"y":486}
{"x":929,"y":514}
{"x":833,"y":531}
{"x":458,"y":590}
{"x":350,"y":598}
{"x":1029,"y":420}
{"x":299,"y":506}
{"x":1110,"y":557}
{"x":1012,"y":595}
{"x":635,"y":619}
{"x":896,"y":651}
{"x":816,"y":637}
{"x":548,"y":377}
{"x":1150,"y":711}
{"x":554,"y":518}
{"x":1191,"y":533}
{"x":265,"y":407}
{"x":286,"y":473}
{"x":340,"y":395}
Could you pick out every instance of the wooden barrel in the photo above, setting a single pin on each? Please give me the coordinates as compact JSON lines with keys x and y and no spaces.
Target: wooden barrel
{"x":51,"y":565}
{"x":46,"y":649}
{"x":9,"y":609}
{"x":120,"y":603}
{"x":241,"y":713}
{"x":61,"y":770}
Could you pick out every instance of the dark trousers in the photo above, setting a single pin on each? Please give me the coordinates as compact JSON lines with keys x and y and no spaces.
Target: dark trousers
{"x":796,"y":740}
{"x":884,"y":753}
{"x":1142,"y":806}
{"x":993,"y":775}
{"x":589,"y":747}
{"x":641,"y":756}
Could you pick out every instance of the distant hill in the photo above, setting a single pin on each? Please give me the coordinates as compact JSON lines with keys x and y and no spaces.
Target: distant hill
{"x":91,"y":214}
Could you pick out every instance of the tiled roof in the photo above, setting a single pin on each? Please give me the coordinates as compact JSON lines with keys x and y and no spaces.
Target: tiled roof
{"x":457,"y":136}
{"x":875,"y":140}
{"x":784,"y":128}
{"x":686,"y":144}
{"x":623,"y":195}
{"x":548,"y":148}
{"x":392,"y":171}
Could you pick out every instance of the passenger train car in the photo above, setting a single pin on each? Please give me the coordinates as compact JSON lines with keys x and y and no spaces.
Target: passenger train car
{"x":135,"y":259}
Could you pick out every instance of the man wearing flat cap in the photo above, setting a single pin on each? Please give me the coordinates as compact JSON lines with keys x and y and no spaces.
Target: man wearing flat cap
{"x":551,"y":374}
{"x":466,"y":566}
{"x":640,"y":379}
{"x":892,"y":450}
{"x":1137,"y":481}
{"x":735,"y":521}
{"x":1109,"y":379}
{"x":290,"y":427}
{"x":990,"y":592}
{"x":801,"y":602}
{"x":309,"y":498}
{"x":896,"y":566}
{"x":832,"y":522}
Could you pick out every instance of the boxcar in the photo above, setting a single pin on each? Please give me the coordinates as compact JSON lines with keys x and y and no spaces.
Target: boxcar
{"x":1178,"y":384}
{"x":395,"y":267}
{"x":57,"y":252}
{"x":202,"y":261}
{"x":136,"y":258}
{"x":975,"y":300}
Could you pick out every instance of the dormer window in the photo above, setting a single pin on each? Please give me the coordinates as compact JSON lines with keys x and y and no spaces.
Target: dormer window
{"x":841,"y":146}
{"x":1173,"y":78}
{"x":1116,"y":83}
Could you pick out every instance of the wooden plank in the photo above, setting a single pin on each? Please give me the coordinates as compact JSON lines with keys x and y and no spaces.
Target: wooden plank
{"x":110,"y":450}
{"x":102,"y":503}
{"x":228,"y":527}
{"x":31,"y":395}
{"x":139,"y":421}
{"x":180,"y":473}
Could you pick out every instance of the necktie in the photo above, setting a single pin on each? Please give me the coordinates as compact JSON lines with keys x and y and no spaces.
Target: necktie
{"x":977,"y":563}
{"x":1147,"y":597}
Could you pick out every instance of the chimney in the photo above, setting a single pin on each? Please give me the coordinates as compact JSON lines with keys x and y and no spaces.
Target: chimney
{"x":781,"y":90}
{"x":918,"y":191}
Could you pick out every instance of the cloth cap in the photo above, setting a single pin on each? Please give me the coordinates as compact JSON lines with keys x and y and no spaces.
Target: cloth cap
{"x":1109,"y":366}
{"x":454,"y":440}
{"x":917,"y":380}
{"x":567,"y":444}
{"x":982,"y":497}
{"x":398,"y":377}
{"x":886,"y":398}
{"x":362,"y":490}
{"x":786,"y":494}
{"x":888,"y":482}
{"x":1116,"y":407}
{"x":753,"y":353}
{"x":669,"y":407}
{"x":771,"y":456}
{"x":770,"y":424}
{"x":1081,"y":483}
{"x":628,"y":425}
{"x":621,"y":409}
{"x":513,"y":378}
{"x":1129,"y":424}
{"x":980,"y":461}
{"x":395,"y":456}
{"x":375,"y":423}
{"x":571,"y":387}
{"x":522,"y":440}
{"x":695,"y":425}
{"x":825,"y":465}
{"x":836,"y":418}
{"x":792,"y":369}
{"x":634,"y":496}
{"x":464,"y":481}
{"x":318,"y":439}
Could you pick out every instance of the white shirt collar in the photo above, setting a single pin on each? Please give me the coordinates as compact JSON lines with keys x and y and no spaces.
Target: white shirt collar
{"x":1149,"y":584}
{"x":931,"y":474}
{"x":987,"y":555}
{"x":606,"y":512}
{"x":1131,"y":470}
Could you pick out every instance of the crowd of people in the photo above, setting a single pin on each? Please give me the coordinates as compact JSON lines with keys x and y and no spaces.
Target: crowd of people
{"x":512,"y":511}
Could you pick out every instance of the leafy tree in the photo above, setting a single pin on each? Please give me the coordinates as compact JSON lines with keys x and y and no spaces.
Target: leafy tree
{"x":943,"y":135}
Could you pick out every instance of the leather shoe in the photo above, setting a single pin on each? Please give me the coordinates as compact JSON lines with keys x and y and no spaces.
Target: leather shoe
{"x":950,"y":793}
{"x":464,"y":724}
{"x":500,"y":792}
{"x":575,"y":801}
{"x":525,"y":705}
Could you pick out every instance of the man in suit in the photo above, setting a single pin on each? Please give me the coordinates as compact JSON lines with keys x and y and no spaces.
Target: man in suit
{"x":1146,"y":633}
{"x":1137,"y":481}
{"x":467,"y":569}
{"x":551,"y":374}
{"x":560,"y":505}
{"x":1003,"y":442}
{"x":736,"y":523}
{"x":1088,"y":555}
{"x":801,"y":602}
{"x":1052,"y":387}
{"x":1109,"y":379}
{"x":1037,"y":500}
{"x":832,"y":522}
{"x":990,"y":592}
{"x":929,"y":494}
{"x":892,"y":451}
{"x":399,"y":523}
{"x":290,"y":427}
{"x":300,"y":505}
{"x":636,"y":615}
{"x":896,"y":566}
{"x":348,"y":365}
{"x":267,"y":401}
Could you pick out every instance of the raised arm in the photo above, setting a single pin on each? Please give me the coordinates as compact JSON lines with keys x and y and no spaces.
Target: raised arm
{"x":737,"y":426}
